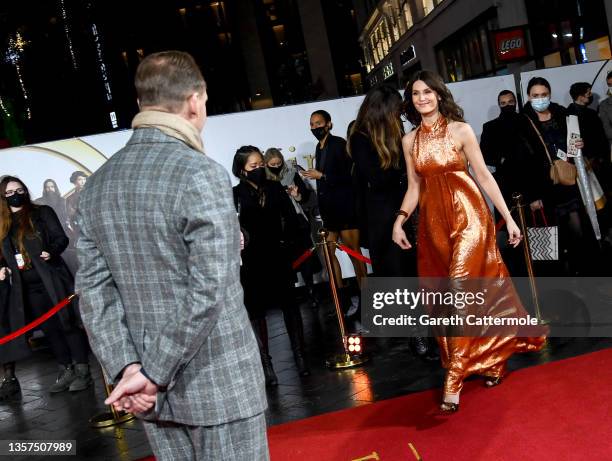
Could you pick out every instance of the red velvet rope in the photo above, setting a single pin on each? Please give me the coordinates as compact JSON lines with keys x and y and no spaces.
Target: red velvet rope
{"x":58,"y":307}
{"x":298,"y":262}
{"x":354,"y":254}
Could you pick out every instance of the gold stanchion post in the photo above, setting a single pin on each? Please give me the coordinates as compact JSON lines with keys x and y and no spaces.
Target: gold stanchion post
{"x":518,"y":203}
{"x":344,"y":360}
{"x":112,"y":417}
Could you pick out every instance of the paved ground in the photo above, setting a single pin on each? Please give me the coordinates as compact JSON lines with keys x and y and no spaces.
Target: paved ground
{"x":393,"y":371}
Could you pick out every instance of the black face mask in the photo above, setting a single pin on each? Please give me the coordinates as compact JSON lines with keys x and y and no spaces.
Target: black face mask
{"x":257,"y":175}
{"x":589,"y":101}
{"x":319,"y":132}
{"x":509,"y":109}
{"x":16,"y":200}
{"x":276,"y":170}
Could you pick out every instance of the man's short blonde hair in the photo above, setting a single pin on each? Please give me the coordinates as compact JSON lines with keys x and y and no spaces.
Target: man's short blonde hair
{"x":167,"y":79}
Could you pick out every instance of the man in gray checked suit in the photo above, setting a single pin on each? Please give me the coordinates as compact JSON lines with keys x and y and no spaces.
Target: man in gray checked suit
{"x":159,"y":280}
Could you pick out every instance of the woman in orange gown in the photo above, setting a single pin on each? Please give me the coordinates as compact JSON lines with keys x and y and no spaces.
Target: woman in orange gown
{"x":456,"y":234}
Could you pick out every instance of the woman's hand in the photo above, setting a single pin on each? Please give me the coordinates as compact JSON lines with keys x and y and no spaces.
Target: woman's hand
{"x":399,"y":237}
{"x":514,"y":233}
{"x":292,"y":190}
{"x":4,"y":273}
{"x":45,"y":256}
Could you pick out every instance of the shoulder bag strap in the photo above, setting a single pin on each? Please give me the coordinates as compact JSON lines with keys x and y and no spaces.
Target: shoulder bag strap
{"x":541,"y":139}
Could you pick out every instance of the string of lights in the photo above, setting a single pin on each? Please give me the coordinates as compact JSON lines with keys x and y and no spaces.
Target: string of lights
{"x":4,"y":109}
{"x":14,"y":56}
{"x":67,"y":31}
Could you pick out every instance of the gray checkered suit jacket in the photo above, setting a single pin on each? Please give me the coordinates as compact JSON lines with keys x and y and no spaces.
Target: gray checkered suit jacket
{"x":159,"y":280}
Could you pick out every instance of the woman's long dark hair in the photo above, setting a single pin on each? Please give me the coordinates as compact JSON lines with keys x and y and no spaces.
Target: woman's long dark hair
{"x":446,"y":105}
{"x":379,"y":118}
{"x":25,"y":227}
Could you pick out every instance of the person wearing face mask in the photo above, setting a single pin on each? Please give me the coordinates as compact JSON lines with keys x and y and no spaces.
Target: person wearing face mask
{"x":336,"y":197}
{"x":300,"y":195}
{"x":502,"y":145}
{"x":596,"y":146}
{"x":561,"y":204}
{"x":268,"y":217}
{"x":32,"y":241}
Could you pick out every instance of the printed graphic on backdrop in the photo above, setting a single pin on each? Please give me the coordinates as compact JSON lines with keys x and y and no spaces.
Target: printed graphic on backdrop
{"x":286,"y":128}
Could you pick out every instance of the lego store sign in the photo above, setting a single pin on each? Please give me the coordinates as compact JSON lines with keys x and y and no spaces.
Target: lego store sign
{"x":510,"y":44}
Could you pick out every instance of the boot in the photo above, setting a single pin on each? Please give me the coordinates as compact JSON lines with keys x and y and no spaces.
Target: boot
{"x":260,"y":328}
{"x":344,"y":299}
{"x":83,"y":378}
{"x":424,"y":348}
{"x":64,"y":379}
{"x":314,"y":302}
{"x":271,"y":379}
{"x":9,"y":386}
{"x":419,"y":346}
{"x":295,"y":330}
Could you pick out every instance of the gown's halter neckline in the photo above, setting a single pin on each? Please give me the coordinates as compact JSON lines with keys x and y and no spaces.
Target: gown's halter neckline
{"x":439,"y":124}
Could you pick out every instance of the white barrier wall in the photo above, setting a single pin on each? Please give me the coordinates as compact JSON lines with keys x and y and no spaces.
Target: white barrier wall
{"x":286,"y":128}
{"x":561,"y":78}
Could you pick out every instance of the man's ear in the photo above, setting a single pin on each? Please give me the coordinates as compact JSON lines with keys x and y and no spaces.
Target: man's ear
{"x":193,"y":104}
{"x":331,"y":125}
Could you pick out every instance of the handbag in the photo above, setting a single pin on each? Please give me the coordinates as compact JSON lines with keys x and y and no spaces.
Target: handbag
{"x":561,"y":171}
{"x":543,"y":241}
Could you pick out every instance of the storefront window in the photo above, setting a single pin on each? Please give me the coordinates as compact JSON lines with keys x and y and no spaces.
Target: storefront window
{"x":428,"y":6}
{"x":468,"y":54}
{"x":568,"y":31}
{"x":407,"y":14}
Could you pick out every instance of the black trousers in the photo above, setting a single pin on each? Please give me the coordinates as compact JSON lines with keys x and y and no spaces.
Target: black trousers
{"x":67,"y":346}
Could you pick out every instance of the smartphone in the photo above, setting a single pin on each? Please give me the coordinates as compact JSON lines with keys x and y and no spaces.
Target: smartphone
{"x":300,"y":167}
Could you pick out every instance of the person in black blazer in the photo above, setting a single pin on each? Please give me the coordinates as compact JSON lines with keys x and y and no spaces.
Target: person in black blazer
{"x":267,"y":217}
{"x":335,"y":192}
{"x":32,"y":241}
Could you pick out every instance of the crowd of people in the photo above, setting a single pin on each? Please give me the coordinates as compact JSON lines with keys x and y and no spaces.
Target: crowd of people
{"x":413,"y":199}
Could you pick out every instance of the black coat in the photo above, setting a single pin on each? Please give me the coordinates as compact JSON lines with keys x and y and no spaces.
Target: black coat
{"x":383,"y":192}
{"x":536,"y":171}
{"x":510,"y":145}
{"x":335,"y":191}
{"x":54,"y":273}
{"x":272,"y":231}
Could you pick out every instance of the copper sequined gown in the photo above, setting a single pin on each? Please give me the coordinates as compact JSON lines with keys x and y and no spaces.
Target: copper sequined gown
{"x":456,"y":239}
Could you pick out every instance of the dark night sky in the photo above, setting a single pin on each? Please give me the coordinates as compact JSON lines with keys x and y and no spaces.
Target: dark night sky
{"x":67,"y":101}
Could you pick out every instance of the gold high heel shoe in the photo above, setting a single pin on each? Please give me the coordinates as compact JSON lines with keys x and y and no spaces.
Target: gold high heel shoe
{"x":492,"y":382}
{"x":449,"y":407}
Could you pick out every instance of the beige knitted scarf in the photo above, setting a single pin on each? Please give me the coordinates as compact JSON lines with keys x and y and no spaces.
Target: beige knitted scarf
{"x":171,"y":124}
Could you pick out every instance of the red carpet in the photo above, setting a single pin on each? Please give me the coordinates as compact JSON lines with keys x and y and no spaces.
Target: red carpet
{"x":557,"y":411}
